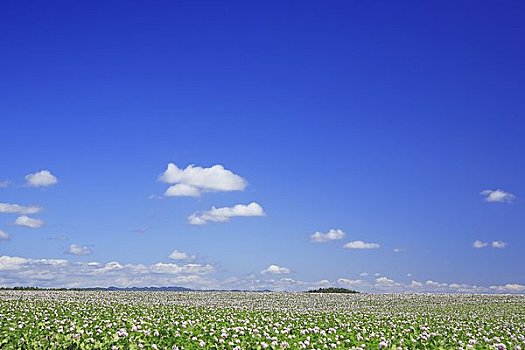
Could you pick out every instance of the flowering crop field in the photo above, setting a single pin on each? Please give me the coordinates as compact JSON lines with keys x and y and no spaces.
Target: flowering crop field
{"x":223,"y":320}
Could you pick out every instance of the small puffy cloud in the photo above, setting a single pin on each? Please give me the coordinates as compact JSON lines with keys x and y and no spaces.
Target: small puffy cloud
{"x":4,"y":236}
{"x":497,"y":196}
{"x":479,"y":244}
{"x":194,"y":180}
{"x":331,"y":235}
{"x":28,"y":222}
{"x":387,"y":282}
{"x":433,"y":284}
{"x":361,"y":245}
{"x":363,"y":274}
{"x":415,"y":284}
{"x":8,"y":208}
{"x":398,"y":250}
{"x":276,"y":270}
{"x":349,"y":282}
{"x":225,"y":213}
{"x":498,"y":244}
{"x":76,"y":249}
{"x":41,"y":178}
{"x":177,"y":255}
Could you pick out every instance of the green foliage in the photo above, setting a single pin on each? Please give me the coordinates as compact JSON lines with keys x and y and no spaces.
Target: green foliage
{"x":89,"y":320}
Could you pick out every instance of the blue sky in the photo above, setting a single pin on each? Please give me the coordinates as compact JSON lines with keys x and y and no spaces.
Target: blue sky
{"x":381,"y":121}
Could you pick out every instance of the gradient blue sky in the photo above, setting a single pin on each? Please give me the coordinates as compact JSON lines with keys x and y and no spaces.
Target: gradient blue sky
{"x":381,"y":119}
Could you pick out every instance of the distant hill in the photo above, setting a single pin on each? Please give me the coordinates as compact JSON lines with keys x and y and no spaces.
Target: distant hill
{"x":333,"y":290}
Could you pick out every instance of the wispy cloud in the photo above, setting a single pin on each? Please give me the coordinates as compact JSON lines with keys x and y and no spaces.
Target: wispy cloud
{"x":226,"y":213}
{"x":331,"y":235}
{"x":479,"y":244}
{"x":4,"y":236}
{"x":41,"y":178}
{"x":349,"y":282}
{"x":494,"y":244}
{"x":4,"y":183}
{"x":28,"y":222}
{"x":140,"y":230}
{"x":10,"y":208}
{"x":361,"y":245}
{"x":194,"y":180}
{"x":196,"y":269}
{"x":498,"y":196}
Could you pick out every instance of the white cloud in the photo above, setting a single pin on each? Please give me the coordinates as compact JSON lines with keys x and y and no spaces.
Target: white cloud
{"x":276,"y":270}
{"x":497,"y":196}
{"x":495,"y":244}
{"x":415,"y":284}
{"x":194,"y":180}
{"x":4,"y":183}
{"x":224,"y":214}
{"x":386,"y":282}
{"x":11,"y":262}
{"x":498,"y":244}
{"x":198,"y":269}
{"x":41,"y":178}
{"x":8,"y":208}
{"x":4,"y":236}
{"x":54,"y":262}
{"x":331,"y":235}
{"x":348,"y":282}
{"x":28,"y":222}
{"x":76,"y":249}
{"x":62,"y":273}
{"x":479,"y":244}
{"x":431,"y":283}
{"x":166,"y":268}
{"x":398,"y":250}
{"x":182,"y":190}
{"x":18,"y":271}
{"x":509,"y":288}
{"x":361,"y":245}
{"x":363,"y":274}
{"x":177,"y":255}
